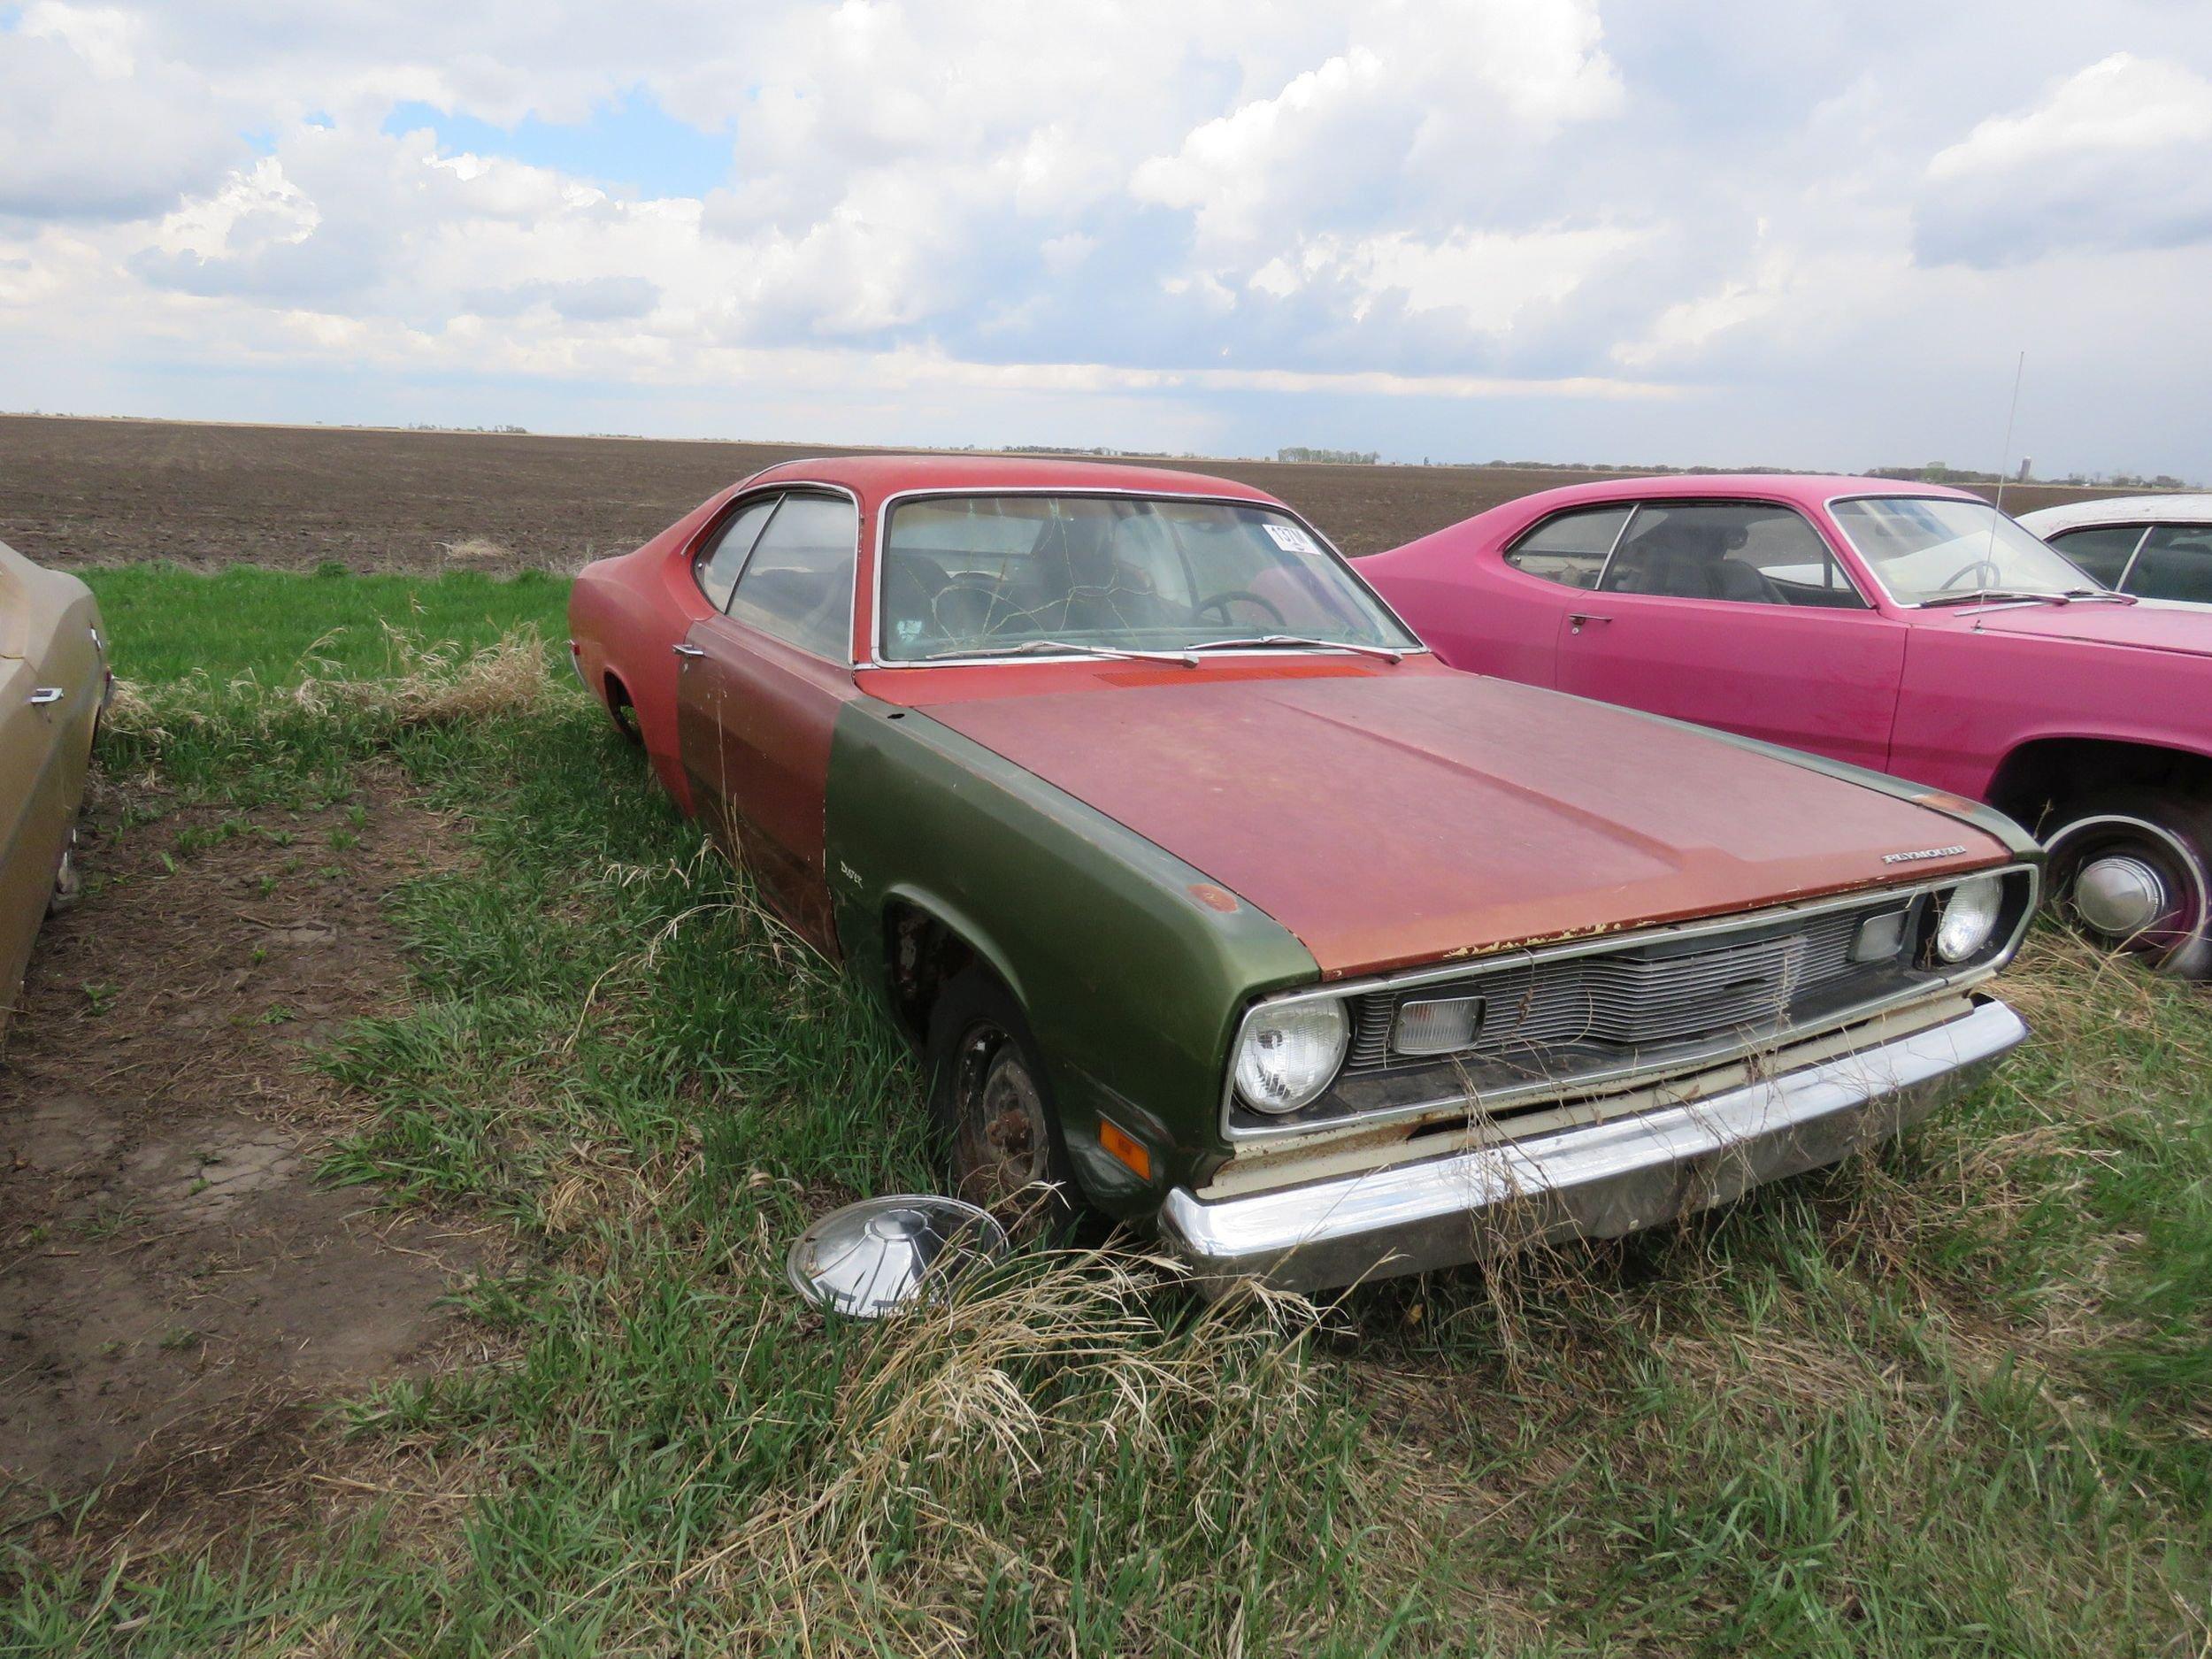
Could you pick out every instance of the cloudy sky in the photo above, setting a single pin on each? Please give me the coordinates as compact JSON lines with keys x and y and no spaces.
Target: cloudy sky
{"x":1674,"y":230}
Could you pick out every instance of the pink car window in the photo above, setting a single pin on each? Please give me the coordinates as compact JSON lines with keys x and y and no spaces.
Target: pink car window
{"x":1570,"y":547}
{"x":1746,"y":552}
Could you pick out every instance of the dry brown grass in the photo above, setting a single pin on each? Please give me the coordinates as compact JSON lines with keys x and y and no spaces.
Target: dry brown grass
{"x":426,"y":684}
{"x":1010,"y":1399}
{"x":441,"y":684}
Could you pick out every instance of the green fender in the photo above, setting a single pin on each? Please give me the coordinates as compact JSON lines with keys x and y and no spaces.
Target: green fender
{"x":1132,"y":966}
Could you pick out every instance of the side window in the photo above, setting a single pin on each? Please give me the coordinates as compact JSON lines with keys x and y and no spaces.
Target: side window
{"x":798,"y":585}
{"x":1569,"y":547}
{"x":2175,"y":562}
{"x":2102,"y":552}
{"x":1749,"y":552}
{"x":717,"y":564}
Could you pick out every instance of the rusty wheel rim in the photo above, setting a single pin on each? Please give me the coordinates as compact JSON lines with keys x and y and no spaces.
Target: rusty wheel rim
{"x":1003,"y":1148}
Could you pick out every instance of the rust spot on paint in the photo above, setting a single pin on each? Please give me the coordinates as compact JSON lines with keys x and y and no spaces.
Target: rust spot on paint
{"x":1212,"y":897}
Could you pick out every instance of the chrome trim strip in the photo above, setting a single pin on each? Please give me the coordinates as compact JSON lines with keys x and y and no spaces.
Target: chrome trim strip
{"x":1419,"y":648}
{"x":1594,"y":1180}
{"x":1620,"y":536}
{"x":2134,"y":553}
{"x":1602,"y":1081}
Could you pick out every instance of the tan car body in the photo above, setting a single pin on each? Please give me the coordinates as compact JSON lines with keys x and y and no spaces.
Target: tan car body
{"x":49,"y":643}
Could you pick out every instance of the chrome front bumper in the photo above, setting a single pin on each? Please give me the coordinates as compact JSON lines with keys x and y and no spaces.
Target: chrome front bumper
{"x":1597,"y":1180}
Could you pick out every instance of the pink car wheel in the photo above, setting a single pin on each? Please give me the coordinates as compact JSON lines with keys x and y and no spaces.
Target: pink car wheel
{"x":2134,"y":872}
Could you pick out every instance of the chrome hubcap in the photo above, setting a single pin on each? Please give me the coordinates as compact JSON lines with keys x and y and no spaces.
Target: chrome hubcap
{"x":2120,"y":897}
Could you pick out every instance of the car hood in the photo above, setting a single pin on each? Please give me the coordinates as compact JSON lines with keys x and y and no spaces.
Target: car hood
{"x":1410,"y":817}
{"x":2184,"y":628}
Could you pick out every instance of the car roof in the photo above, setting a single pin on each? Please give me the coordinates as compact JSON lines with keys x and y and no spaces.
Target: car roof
{"x":2162,"y":509}
{"x":875,"y":477}
{"x":1798,"y":489}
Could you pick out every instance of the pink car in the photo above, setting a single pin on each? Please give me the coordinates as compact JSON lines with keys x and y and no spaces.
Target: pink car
{"x":1903,"y":627}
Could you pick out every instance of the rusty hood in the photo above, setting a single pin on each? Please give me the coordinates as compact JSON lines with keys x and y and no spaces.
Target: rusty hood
{"x":1409,"y":816}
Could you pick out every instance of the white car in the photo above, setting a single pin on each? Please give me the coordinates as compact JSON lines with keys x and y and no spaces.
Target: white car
{"x":2155,"y":546}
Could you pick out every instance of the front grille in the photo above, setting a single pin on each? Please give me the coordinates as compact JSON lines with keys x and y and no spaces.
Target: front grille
{"x":1633,"y":999}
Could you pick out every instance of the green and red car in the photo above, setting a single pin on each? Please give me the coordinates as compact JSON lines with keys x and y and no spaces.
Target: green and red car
{"x":1213,"y":898}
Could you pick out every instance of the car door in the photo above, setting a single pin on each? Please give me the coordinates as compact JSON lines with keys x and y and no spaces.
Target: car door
{"x":1504,"y":618}
{"x":1738,"y":615}
{"x":758,"y":696}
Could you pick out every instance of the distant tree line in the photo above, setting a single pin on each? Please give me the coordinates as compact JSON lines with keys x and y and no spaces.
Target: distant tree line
{"x":1102,"y":450}
{"x":1333,"y":457}
{"x":1936,"y":472}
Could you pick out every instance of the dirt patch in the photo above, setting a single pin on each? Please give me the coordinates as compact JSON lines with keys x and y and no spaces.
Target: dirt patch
{"x":106,"y":491}
{"x":178,"y":1293}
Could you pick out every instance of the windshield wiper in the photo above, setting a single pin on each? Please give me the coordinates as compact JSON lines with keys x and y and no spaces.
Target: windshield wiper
{"x":2100,"y":592}
{"x":1994,"y":596}
{"x":1043,"y":647}
{"x":1263,"y":641}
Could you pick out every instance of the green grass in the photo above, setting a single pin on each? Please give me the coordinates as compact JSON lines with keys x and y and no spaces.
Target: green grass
{"x":1950,"y":1401}
{"x":166,"y":622}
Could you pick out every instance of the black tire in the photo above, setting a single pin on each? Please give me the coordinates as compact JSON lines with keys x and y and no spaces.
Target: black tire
{"x":622,"y":712}
{"x":2154,"y":851}
{"x":991,"y":1107}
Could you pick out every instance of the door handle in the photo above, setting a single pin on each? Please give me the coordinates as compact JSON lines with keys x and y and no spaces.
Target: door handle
{"x":1576,"y":619}
{"x":688,"y":650}
{"x":47,"y":696}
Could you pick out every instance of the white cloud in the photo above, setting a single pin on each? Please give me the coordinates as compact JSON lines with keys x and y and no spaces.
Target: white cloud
{"x":253,"y":211}
{"x":1422,"y":95}
{"x":1485,"y":281}
{"x":1177,"y":217}
{"x":2118,"y":155}
{"x":103,"y":39}
{"x":82,"y":137}
{"x":2119,"y":105}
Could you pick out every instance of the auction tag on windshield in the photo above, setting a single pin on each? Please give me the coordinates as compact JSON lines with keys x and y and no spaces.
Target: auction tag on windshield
{"x":1291,"y":539}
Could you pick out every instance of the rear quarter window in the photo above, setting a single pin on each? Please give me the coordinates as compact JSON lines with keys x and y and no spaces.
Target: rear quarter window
{"x":1569,"y":547}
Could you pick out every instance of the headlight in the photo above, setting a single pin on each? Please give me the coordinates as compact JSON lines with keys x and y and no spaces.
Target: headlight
{"x":1286,"y":1054}
{"x":1970,"y":916}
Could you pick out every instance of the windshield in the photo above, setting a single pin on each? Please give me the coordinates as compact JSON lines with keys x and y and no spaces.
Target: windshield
{"x":1924,"y":549}
{"x":991,"y":575}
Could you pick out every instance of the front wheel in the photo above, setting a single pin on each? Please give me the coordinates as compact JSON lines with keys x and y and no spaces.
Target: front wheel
{"x":2133,"y":871}
{"x":992,"y":1105}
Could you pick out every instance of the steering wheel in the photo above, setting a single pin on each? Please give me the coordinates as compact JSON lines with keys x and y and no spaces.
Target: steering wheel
{"x":991,"y":611}
{"x":1221,"y":602}
{"x":1996,"y":575}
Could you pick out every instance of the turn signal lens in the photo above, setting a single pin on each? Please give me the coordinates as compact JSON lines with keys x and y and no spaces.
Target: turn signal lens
{"x":1969,"y":917}
{"x":1437,"y":1024}
{"x":1126,"y":1147}
{"x":1288,"y":1052}
{"x":1879,"y":937}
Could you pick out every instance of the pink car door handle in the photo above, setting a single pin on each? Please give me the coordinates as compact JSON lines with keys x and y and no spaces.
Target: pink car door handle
{"x":688,"y":650}
{"x":1576,"y":619}
{"x":46,"y":696}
